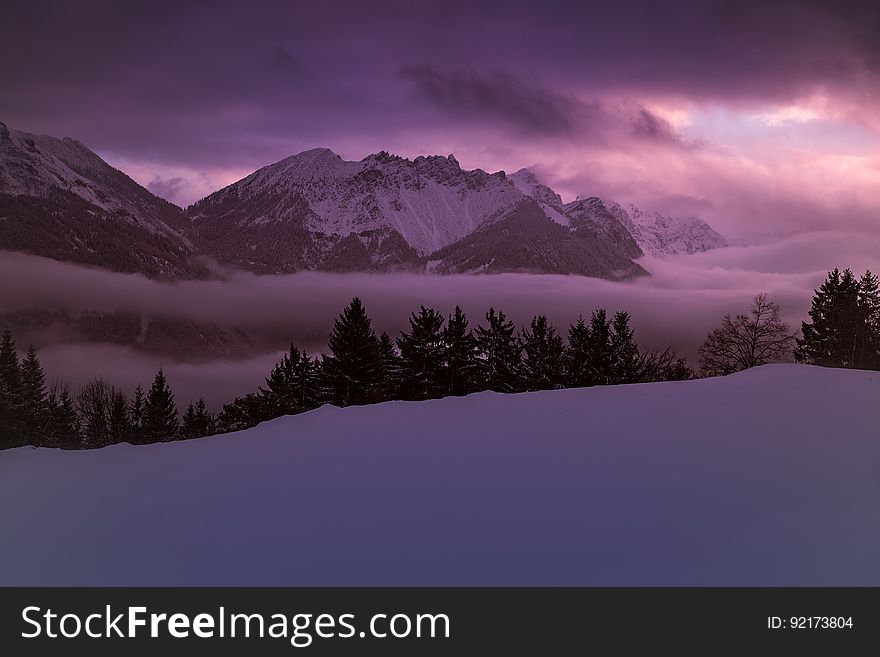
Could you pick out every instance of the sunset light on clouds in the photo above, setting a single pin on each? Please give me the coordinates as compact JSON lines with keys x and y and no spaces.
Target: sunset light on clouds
{"x":759,"y":116}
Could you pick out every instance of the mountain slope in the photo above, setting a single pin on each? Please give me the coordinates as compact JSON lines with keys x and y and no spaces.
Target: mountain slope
{"x":59,"y":199}
{"x":398,"y":209}
{"x":527,"y":241}
{"x":558,"y":488}
{"x":591,"y":214}
{"x":315,"y":210}
{"x":661,"y":235}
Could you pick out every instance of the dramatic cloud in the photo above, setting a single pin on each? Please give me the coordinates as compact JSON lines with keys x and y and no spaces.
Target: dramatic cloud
{"x":495,"y":97}
{"x":764,"y":112}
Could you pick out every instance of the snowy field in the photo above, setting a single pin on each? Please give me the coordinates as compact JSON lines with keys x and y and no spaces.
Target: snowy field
{"x":768,"y":477}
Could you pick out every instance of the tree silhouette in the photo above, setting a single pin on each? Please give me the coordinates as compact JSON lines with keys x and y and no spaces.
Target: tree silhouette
{"x":747,"y":340}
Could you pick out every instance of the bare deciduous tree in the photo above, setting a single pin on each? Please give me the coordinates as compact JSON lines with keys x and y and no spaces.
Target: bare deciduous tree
{"x":747,"y":340}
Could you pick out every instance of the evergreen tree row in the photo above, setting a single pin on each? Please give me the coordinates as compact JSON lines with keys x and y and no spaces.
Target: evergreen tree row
{"x":442,"y":356}
{"x":98,"y":414}
{"x":436,"y":357}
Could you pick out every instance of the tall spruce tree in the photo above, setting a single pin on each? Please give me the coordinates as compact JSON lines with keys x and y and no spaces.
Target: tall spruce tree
{"x":543,"y":366}
{"x":242,"y":413}
{"x":136,"y":416}
{"x":34,"y":409}
{"x":119,"y":424}
{"x":600,"y":350}
{"x":292,"y":385}
{"x":501,"y":352}
{"x":64,"y":431}
{"x":352,"y":372}
{"x":188,"y":423}
{"x":389,"y":368}
{"x":197,"y":421}
{"x":11,"y":402}
{"x":625,"y":360}
{"x":160,"y":413}
{"x":869,"y":307}
{"x":421,"y":355}
{"x":461,"y":362}
{"x":836,"y":334}
{"x":577,"y":355}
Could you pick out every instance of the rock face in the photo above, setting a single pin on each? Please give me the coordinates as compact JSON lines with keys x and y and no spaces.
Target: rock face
{"x":527,"y":241}
{"x":59,"y":199}
{"x":661,"y":235}
{"x":316,"y":211}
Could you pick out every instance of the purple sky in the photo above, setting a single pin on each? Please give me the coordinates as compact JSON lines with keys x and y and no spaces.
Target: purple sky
{"x":759,"y":116}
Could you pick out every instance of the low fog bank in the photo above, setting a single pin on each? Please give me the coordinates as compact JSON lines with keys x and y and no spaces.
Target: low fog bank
{"x":676,"y":306}
{"x":218,"y":382}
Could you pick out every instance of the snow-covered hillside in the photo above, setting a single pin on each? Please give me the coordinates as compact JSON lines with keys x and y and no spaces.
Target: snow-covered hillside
{"x":768,"y":477}
{"x":315,"y":210}
{"x":430,"y":201}
{"x":661,"y":235}
{"x":59,"y":199}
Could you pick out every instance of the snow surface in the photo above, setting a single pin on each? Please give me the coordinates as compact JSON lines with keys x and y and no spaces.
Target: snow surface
{"x":768,"y":477}
{"x":431,"y":201}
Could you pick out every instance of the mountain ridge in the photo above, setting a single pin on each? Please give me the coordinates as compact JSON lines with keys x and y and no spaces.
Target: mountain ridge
{"x":317,"y":211}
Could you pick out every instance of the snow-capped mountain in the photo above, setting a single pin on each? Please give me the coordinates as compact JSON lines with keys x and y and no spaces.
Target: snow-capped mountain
{"x":59,"y":199}
{"x":661,"y":235}
{"x":317,"y":211}
{"x":428,"y":202}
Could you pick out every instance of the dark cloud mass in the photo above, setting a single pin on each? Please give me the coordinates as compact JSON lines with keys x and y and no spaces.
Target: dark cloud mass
{"x":197,"y":80}
{"x":497,"y":96}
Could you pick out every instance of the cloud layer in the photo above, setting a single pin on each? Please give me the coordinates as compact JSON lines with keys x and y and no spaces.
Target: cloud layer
{"x":677,"y":306}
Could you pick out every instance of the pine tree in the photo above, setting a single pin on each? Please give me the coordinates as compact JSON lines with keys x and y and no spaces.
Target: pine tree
{"x":11,"y":401}
{"x":461,"y":364}
{"x":836,"y":333}
{"x":197,"y":421}
{"x":543,"y":366}
{"x":501,"y":351}
{"x":869,"y":307}
{"x":136,"y":416}
{"x":389,"y":366}
{"x":243,"y":413}
{"x":600,"y":358}
{"x":291,"y":386}
{"x":421,"y":355}
{"x":64,"y":429}
{"x":160,"y":413}
{"x":188,"y":423}
{"x":624,"y":350}
{"x":119,"y":426}
{"x":34,"y":414}
{"x":304,"y":372}
{"x":352,"y":372}
{"x":204,"y":421}
{"x":577,"y":356}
